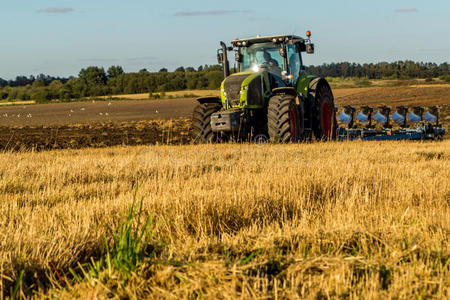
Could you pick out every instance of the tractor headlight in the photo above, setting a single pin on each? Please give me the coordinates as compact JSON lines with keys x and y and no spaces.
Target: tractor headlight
{"x":255,"y":68}
{"x":245,"y":87}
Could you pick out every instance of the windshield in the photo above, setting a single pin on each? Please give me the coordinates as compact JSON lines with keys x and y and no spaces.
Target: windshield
{"x":265,"y":55}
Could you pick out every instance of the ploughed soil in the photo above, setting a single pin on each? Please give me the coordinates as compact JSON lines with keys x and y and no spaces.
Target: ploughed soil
{"x":96,"y":134}
{"x":131,"y":122}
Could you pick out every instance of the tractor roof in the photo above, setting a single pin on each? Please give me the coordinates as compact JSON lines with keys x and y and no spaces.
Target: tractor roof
{"x":266,"y":39}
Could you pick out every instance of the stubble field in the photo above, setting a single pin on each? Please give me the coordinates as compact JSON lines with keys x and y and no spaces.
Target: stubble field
{"x":324,"y":220}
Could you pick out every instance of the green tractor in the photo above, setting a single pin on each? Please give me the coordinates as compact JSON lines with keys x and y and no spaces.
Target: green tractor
{"x":270,"y":98}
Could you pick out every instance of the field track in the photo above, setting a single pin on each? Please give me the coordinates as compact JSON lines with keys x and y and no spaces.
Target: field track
{"x":131,"y":122}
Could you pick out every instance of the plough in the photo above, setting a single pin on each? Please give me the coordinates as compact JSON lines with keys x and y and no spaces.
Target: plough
{"x":427,"y":126}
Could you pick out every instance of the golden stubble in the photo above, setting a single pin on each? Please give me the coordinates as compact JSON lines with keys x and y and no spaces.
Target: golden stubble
{"x":356,"y":219}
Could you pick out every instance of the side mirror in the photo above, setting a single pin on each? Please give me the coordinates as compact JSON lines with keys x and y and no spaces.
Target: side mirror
{"x":220,"y":58}
{"x":310,"y":48}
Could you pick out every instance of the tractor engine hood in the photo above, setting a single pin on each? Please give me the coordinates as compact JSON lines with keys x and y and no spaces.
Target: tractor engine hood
{"x":243,"y":89}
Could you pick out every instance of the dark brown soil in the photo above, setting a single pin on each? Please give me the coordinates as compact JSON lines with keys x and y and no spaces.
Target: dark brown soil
{"x":95,"y":135}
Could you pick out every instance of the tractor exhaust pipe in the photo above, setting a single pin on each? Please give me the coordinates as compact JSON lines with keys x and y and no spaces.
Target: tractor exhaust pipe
{"x":225,"y":63}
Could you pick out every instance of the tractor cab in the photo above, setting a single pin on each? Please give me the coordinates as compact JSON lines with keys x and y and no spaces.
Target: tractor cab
{"x":278,"y":55}
{"x":263,"y":64}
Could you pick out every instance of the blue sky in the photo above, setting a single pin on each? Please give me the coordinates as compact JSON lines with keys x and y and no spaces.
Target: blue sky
{"x":61,"y":37}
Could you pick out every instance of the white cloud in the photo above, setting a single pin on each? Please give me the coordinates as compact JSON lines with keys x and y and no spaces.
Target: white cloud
{"x":406,"y":10}
{"x":207,"y":12}
{"x":55,"y":10}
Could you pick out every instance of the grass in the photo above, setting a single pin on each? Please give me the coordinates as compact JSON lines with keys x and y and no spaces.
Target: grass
{"x":350,"y":82}
{"x":339,"y":220}
{"x":19,"y":102}
{"x":163,"y":95}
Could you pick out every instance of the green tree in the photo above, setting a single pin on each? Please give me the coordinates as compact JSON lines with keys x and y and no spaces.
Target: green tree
{"x":115,"y":71}
{"x":95,"y":79}
{"x":38,"y":83}
{"x":93,"y":76}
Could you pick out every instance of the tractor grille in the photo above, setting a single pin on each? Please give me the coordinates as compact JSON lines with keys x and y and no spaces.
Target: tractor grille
{"x":254,"y":96}
{"x":232,"y":87}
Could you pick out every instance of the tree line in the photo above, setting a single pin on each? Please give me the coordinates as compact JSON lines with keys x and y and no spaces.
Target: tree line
{"x":95,"y":81}
{"x":383,"y":70}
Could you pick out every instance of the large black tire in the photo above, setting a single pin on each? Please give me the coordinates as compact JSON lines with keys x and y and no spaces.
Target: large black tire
{"x":201,"y":122}
{"x":324,"y":114}
{"x":284,"y":119}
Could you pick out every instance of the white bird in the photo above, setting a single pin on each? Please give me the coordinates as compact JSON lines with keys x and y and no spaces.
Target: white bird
{"x":70,"y":115}
{"x":29,"y":116}
{"x":156,"y":111}
{"x":71,"y":110}
{"x":109,"y":104}
{"x":5,"y":115}
{"x":101,"y":114}
{"x":82,"y":108}
{"x":93,"y":101}
{"x":106,"y":114}
{"x":18,"y":115}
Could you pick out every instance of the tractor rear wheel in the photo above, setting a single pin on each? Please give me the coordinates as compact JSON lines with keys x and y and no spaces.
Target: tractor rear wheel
{"x":324,"y":126}
{"x":201,"y":122}
{"x":284,"y":119}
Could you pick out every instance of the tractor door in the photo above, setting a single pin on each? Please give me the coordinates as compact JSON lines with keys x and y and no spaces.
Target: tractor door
{"x":294,"y":63}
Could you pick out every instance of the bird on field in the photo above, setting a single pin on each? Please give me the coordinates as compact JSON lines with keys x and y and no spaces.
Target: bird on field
{"x":101,"y":114}
{"x":29,"y":116}
{"x":82,"y":108}
{"x":5,"y":115}
{"x":71,"y":110}
{"x":156,"y":111}
{"x":109,"y":104}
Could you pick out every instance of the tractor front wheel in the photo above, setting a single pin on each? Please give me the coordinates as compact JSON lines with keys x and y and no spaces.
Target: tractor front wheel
{"x":284,"y":119}
{"x":201,"y":122}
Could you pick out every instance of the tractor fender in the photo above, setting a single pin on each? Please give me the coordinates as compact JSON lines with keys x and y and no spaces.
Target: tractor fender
{"x":288,"y":91}
{"x":203,"y":100}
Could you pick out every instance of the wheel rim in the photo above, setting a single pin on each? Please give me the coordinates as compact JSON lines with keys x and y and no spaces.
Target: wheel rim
{"x":326,"y":119}
{"x":293,"y":123}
